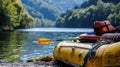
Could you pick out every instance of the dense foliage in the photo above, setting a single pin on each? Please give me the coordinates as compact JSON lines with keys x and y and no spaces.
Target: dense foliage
{"x":84,"y":17}
{"x":94,"y":2}
{"x":12,"y":15}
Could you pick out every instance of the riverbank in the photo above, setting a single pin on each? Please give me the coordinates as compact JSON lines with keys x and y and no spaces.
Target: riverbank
{"x":28,"y":64}
{"x":46,"y":61}
{"x":35,"y":64}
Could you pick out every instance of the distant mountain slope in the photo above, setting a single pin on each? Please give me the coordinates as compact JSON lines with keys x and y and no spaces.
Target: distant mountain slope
{"x":67,"y":4}
{"x":34,"y":13}
{"x":47,"y":9}
{"x":40,"y":21}
{"x":51,"y":9}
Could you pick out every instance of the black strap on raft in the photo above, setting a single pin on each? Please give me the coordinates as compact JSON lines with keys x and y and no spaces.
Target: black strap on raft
{"x":106,"y":26}
{"x":117,"y":29}
{"x":89,"y":54}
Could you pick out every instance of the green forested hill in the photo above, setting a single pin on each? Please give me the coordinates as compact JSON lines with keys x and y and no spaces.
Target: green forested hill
{"x":39,"y":19}
{"x":66,"y":4}
{"x":84,"y":16}
{"x":94,"y":2}
{"x":47,"y":9}
{"x":45,"y":12}
{"x":12,"y":15}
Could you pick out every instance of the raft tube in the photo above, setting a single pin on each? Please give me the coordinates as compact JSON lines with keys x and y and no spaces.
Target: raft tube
{"x":73,"y":53}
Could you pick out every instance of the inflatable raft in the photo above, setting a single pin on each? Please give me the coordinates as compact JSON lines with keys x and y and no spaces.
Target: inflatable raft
{"x":100,"y":54}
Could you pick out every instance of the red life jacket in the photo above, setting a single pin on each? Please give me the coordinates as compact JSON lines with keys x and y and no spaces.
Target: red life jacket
{"x":101,"y":27}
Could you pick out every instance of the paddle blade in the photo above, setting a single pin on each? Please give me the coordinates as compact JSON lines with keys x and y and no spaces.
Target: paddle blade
{"x":44,"y":41}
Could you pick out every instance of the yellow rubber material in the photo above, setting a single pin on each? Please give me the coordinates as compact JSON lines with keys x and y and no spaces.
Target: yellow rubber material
{"x":71,"y":52}
{"x":105,"y":56}
{"x":111,"y":55}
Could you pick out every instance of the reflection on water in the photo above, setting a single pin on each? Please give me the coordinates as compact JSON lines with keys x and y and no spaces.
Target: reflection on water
{"x":21,"y":45}
{"x":10,"y":45}
{"x":31,"y":49}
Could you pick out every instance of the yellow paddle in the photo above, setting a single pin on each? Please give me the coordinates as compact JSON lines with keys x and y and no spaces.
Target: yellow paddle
{"x":47,"y":41}
{"x":44,"y":41}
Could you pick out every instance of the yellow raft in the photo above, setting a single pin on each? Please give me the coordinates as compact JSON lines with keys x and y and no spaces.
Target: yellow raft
{"x":106,"y":55}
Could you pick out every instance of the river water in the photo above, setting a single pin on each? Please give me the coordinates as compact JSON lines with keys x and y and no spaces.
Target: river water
{"x":21,"y":44}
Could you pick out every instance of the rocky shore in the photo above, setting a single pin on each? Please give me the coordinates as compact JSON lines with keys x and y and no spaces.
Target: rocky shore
{"x":28,"y":64}
{"x":34,"y":64}
{"x":46,"y":61}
